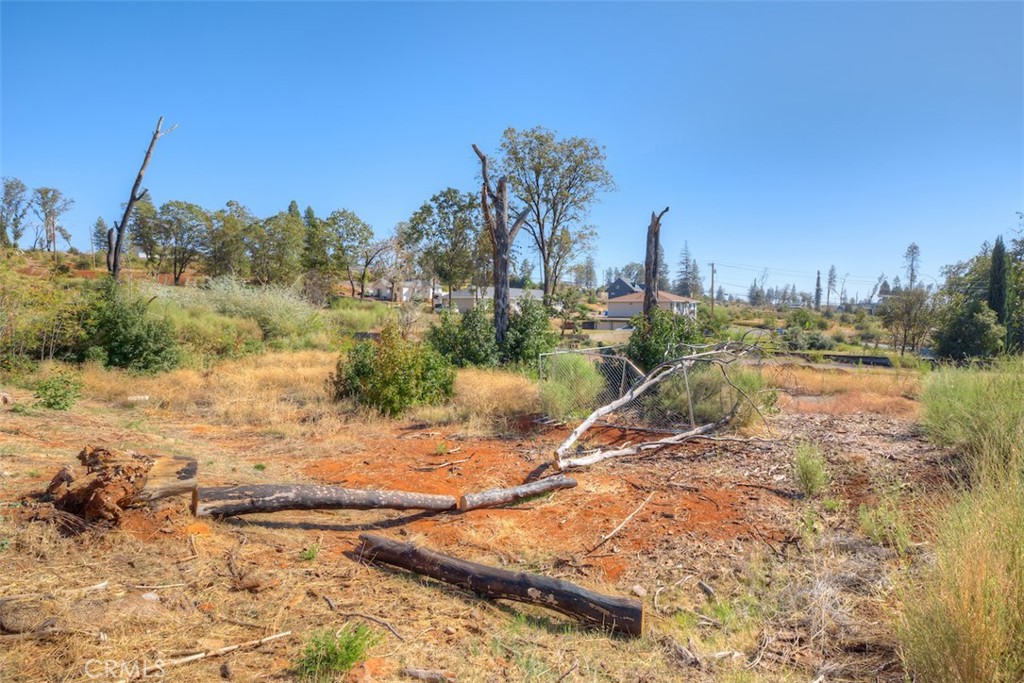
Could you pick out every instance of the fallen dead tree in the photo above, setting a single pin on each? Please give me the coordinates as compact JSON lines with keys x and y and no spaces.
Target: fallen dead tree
{"x":116,"y":479}
{"x":615,"y":614}
{"x":495,"y":497}
{"x":721,"y":357}
{"x":228,"y":501}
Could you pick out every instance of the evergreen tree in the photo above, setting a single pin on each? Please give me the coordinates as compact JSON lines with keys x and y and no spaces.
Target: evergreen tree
{"x":817,"y":292}
{"x":997,"y":281}
{"x":831,"y":287}
{"x":664,"y":284}
{"x":99,"y":235}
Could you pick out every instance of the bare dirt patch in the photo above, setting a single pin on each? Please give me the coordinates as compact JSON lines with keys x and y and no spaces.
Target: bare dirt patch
{"x":725,"y":552}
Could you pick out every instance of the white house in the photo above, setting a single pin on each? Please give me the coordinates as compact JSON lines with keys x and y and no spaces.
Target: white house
{"x":465,"y":300}
{"x":633,"y":304}
{"x":408,"y":290}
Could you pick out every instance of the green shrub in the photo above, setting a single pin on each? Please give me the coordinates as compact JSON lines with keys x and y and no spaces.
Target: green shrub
{"x":131,"y":339}
{"x":529,"y":333}
{"x":572,"y":386}
{"x":392,"y":374}
{"x":59,"y":391}
{"x":328,"y":654}
{"x":466,"y":339}
{"x":713,"y":397}
{"x":809,"y":469}
{"x":661,"y":339}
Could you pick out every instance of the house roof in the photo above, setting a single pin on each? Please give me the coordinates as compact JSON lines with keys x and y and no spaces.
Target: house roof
{"x":631,"y":285}
{"x":662,"y":296}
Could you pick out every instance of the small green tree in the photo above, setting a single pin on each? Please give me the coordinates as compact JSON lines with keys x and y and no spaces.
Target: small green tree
{"x":998,"y":281}
{"x":466,"y":339}
{"x":529,"y":333}
{"x":969,"y":331}
{"x":655,"y":341}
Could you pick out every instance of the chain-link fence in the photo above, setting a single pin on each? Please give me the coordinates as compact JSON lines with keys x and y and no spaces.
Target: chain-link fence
{"x":573,"y":384}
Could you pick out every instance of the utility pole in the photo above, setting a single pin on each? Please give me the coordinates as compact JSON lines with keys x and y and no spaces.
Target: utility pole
{"x":712,"y":289}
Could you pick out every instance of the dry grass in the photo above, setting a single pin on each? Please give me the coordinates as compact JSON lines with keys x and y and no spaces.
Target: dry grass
{"x":485,"y":402}
{"x":809,"y":381}
{"x":853,"y":403}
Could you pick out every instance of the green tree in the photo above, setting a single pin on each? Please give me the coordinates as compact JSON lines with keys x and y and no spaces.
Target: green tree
{"x":316,"y":246}
{"x":145,"y":231}
{"x":185,"y":231}
{"x":970,"y":331}
{"x":98,"y":236}
{"x":228,"y":234}
{"x":659,"y":339}
{"x":908,"y":315}
{"x":998,"y":280}
{"x":557,"y":180}
{"x":275,"y":247}
{"x":349,"y":237}
{"x":817,"y":292}
{"x":14,"y":207}
{"x":448,"y":228}
{"x":49,"y":204}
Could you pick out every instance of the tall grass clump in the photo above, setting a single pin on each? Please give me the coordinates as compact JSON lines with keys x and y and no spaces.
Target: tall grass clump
{"x":351,"y":316}
{"x":328,"y":654}
{"x":572,"y":386}
{"x":280,"y":312}
{"x":963,"y":618}
{"x":711,"y":396}
{"x":809,"y":469}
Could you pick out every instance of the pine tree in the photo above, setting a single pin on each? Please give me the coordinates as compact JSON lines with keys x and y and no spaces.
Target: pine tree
{"x":99,"y":235}
{"x":997,"y":281}
{"x":831,"y":286}
{"x":817,"y":293}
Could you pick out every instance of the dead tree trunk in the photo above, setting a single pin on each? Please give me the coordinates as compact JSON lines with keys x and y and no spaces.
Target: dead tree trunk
{"x":228,"y":501}
{"x":616,"y":614}
{"x":651,"y":265}
{"x":115,"y":245}
{"x":117,"y":479}
{"x":502,"y":237}
{"x":494,"y":497}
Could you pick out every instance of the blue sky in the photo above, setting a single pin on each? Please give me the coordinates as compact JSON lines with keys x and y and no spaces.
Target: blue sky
{"x":789,"y":136}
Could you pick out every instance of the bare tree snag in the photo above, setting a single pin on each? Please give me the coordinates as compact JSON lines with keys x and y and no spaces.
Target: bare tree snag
{"x":228,"y":501}
{"x":651,"y":265}
{"x":502,"y":237}
{"x":117,"y":479}
{"x":616,"y":614}
{"x":114,"y":246}
{"x":494,"y":497}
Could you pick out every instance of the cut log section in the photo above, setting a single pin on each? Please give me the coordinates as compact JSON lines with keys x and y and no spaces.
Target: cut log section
{"x":116,"y":479}
{"x":616,"y":614}
{"x":228,"y":501}
{"x":494,"y":497}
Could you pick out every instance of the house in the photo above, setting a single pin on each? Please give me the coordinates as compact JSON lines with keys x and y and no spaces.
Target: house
{"x":621,"y":288}
{"x":633,"y":304}
{"x":464,"y":300}
{"x":407,"y":290}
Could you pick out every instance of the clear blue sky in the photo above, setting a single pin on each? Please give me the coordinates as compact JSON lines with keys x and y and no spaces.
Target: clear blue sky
{"x":788,"y":136}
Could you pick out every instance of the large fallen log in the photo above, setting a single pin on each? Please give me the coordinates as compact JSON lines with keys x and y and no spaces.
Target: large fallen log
{"x":116,"y":479}
{"x":228,"y":501}
{"x":616,"y":614}
{"x":494,"y":497}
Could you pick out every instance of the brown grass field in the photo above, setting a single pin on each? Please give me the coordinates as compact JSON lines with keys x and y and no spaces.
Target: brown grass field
{"x":734,"y":565}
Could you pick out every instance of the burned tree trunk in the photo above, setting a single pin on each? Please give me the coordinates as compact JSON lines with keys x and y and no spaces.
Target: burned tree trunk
{"x":651,"y":265}
{"x":494,"y":497}
{"x":502,"y":237}
{"x":115,"y":245}
{"x":117,"y":479}
{"x":228,"y":501}
{"x":619,"y":615}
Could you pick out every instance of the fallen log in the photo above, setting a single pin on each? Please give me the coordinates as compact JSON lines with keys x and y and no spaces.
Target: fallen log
{"x":116,"y":479}
{"x":228,"y":501}
{"x":616,"y":614}
{"x":494,"y":497}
